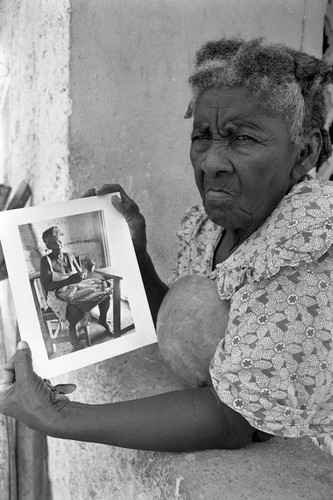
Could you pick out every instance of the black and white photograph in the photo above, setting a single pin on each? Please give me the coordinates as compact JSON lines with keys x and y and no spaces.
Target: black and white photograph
{"x":166,"y":329}
{"x":80,"y":271}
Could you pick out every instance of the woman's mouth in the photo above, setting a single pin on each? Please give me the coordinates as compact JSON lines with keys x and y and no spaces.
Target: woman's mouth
{"x":217,"y":194}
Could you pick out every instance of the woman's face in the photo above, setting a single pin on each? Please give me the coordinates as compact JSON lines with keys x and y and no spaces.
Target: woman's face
{"x":54,"y":241}
{"x":242,"y":158}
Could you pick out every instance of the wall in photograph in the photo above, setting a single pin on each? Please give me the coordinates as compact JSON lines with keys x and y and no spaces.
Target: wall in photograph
{"x":81,"y":236}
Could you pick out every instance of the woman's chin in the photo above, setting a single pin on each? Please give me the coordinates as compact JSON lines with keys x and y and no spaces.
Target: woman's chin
{"x":231,"y":217}
{"x":217,"y":215}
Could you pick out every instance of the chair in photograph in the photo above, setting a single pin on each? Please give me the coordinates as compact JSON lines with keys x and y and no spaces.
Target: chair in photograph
{"x":49,"y":321}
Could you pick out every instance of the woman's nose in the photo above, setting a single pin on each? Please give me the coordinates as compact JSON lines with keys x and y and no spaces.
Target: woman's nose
{"x":217,"y":161}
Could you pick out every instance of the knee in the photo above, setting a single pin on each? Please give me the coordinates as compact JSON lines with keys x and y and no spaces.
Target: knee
{"x":73,"y":314}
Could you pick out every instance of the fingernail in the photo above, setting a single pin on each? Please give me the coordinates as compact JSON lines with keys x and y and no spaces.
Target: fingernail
{"x":22,"y":345}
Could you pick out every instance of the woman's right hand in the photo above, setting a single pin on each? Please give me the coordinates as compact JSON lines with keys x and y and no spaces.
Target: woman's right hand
{"x":130,"y":210}
{"x":74,"y":278}
{"x":27,"y":397}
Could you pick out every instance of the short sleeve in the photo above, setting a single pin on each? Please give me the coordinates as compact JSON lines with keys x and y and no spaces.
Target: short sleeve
{"x":197,"y":237}
{"x":187,"y":226}
{"x":275,"y":364}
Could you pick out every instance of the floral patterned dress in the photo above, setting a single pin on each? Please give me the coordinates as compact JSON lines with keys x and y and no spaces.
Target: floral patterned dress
{"x":275,"y":363}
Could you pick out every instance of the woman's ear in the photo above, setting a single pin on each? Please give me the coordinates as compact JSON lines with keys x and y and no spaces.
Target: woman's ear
{"x":308,"y":155}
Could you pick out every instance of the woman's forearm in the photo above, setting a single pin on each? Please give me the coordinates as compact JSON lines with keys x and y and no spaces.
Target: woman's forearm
{"x":176,"y":421}
{"x":154,"y":286}
{"x":52,"y":286}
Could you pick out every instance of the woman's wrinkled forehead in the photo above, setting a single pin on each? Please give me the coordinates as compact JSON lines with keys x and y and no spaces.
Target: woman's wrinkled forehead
{"x":224,"y":101}
{"x":216,"y":108}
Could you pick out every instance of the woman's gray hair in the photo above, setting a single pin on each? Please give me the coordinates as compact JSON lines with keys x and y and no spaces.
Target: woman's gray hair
{"x":288,"y":82}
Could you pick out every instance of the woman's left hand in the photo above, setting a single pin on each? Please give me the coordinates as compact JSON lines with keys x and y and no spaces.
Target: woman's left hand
{"x":26,"y":396}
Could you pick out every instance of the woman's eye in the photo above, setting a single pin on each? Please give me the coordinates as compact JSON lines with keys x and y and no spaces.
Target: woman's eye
{"x":200,"y":137}
{"x":243,"y":138}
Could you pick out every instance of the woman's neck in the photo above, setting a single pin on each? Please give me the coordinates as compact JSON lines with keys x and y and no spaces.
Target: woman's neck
{"x":225,"y":247}
{"x":56,"y":254}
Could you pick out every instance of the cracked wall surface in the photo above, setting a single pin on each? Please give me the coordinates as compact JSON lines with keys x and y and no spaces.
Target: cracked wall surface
{"x":34,"y":110}
{"x":35,"y":105}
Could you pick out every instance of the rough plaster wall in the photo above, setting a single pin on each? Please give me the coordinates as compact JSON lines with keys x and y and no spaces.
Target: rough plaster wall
{"x":130,"y":60}
{"x":34,"y":44}
{"x":34,"y":104}
{"x":34,"y":109}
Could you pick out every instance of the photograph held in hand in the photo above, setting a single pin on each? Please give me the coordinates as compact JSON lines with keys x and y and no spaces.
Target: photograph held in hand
{"x":75,"y":265}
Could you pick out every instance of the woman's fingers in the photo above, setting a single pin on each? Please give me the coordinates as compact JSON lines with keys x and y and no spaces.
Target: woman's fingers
{"x":89,"y":192}
{"x":109,"y":188}
{"x":23,"y":362}
{"x":105,"y":189}
{"x":60,"y":390}
{"x":126,"y":206}
{"x":128,"y":209}
{"x":15,"y":378}
{"x":7,"y":376}
{"x":135,"y":220}
{"x":26,"y":396}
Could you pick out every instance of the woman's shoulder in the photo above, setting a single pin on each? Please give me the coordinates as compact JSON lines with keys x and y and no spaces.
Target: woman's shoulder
{"x":303,"y":216}
{"x":299,"y":230}
{"x":308,"y":200}
{"x":195,"y":222}
{"x":319,"y":187}
{"x":45,"y":259}
{"x":193,"y":215}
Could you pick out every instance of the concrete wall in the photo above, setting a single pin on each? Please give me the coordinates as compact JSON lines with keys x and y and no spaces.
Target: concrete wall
{"x":34,"y":106}
{"x":34,"y":109}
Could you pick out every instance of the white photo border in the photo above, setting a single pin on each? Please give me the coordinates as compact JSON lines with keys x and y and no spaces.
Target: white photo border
{"x":123,"y":261}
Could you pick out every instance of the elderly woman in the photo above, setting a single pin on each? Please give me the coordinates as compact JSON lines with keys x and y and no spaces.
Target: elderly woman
{"x":263,"y":236}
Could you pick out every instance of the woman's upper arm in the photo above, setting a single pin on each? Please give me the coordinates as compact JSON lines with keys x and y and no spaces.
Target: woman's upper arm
{"x":45,"y":273}
{"x":272,"y":366}
{"x":227,"y":428}
{"x":75,"y":263}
